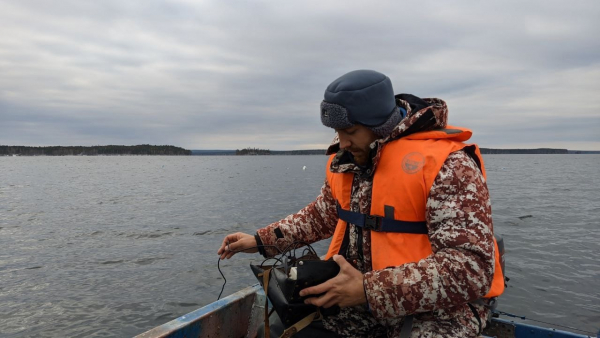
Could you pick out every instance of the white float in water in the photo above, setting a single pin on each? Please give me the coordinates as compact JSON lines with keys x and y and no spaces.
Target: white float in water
{"x":304,"y":168}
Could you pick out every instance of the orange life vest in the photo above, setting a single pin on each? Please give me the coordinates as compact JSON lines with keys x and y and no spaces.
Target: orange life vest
{"x":402,"y":180}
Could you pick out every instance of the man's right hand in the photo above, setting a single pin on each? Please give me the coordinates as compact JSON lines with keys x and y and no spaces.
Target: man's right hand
{"x":237,"y":242}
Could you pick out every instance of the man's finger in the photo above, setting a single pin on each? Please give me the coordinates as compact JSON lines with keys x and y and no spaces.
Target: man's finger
{"x":341,"y":261}
{"x":331,"y":302}
{"x":319,"y":301}
{"x":228,"y":254}
{"x":226,"y":240}
{"x":317,"y":289}
{"x":312,"y":301}
{"x":222,"y":249}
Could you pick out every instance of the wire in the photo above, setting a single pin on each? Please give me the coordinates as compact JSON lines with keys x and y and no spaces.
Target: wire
{"x":289,"y":248}
{"x":224,"y":279}
{"x":543,"y":322}
{"x":235,"y":251}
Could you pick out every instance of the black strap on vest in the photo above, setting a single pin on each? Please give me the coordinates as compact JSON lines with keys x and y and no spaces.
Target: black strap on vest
{"x":406,"y":329}
{"x":476,"y":314}
{"x":382,"y":224}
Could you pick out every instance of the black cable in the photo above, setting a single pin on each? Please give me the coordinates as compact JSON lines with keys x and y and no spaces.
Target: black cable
{"x":235,"y":251}
{"x":277,"y":259}
{"x":224,"y":279}
{"x":301,"y":244}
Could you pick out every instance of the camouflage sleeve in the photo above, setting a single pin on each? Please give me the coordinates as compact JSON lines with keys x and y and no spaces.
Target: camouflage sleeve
{"x":461,"y":267}
{"x":313,"y":223}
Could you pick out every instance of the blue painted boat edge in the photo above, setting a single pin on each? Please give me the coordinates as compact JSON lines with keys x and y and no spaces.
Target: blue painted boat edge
{"x":526,"y":330}
{"x":191,"y":323}
{"x":202,"y":322}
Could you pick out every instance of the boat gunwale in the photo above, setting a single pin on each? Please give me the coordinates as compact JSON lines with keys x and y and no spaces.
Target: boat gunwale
{"x":197,"y":323}
{"x":194,"y":322}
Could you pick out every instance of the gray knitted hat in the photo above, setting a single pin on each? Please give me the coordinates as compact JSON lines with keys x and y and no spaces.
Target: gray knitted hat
{"x":363,"y":97}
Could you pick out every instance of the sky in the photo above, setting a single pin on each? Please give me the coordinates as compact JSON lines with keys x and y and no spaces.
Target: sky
{"x":237,"y":74}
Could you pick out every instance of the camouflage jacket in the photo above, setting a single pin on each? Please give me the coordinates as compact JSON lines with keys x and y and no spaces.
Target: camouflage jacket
{"x":458,"y":216}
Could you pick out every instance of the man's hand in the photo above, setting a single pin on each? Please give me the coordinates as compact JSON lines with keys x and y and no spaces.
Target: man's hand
{"x":345,"y":289}
{"x":237,"y":242}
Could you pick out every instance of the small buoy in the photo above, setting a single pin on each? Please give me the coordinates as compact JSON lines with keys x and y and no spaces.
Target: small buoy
{"x":304,"y":168}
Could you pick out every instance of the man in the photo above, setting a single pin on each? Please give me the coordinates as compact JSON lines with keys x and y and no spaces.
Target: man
{"x":408,"y":208}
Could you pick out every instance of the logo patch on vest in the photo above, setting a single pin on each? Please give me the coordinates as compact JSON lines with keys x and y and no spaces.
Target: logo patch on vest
{"x":413,"y":162}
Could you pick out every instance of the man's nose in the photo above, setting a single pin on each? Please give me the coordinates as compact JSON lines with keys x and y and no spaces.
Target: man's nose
{"x":344,"y":142}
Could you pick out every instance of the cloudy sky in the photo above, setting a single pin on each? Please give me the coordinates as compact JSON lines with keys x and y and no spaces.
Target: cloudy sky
{"x":233,"y":74}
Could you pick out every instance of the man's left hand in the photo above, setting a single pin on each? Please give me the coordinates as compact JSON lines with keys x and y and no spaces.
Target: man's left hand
{"x":345,"y":289}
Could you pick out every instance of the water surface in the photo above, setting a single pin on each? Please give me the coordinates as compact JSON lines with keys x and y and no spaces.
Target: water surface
{"x":112,"y":246}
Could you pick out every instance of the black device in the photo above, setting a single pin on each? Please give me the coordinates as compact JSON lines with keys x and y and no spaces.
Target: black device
{"x":283,"y":290}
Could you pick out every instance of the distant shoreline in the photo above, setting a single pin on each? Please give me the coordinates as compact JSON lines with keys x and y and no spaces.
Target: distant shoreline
{"x":167,"y":150}
{"x":142,"y":149}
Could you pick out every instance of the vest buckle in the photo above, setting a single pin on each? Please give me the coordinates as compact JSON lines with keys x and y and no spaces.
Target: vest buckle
{"x":372,"y":222}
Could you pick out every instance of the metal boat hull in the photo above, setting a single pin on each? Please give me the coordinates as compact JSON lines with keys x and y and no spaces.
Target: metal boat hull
{"x":240,"y":315}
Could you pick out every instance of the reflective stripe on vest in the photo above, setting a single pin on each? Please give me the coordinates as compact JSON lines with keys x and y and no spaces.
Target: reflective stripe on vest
{"x":402,"y":180}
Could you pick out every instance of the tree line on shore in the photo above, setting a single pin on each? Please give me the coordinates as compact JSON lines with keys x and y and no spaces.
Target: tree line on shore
{"x":256,"y":151}
{"x":146,"y":149}
{"x":142,"y":149}
{"x":524,"y":151}
{"x":252,"y":151}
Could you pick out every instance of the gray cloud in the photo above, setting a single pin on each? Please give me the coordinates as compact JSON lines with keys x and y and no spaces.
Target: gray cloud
{"x":218,"y":75}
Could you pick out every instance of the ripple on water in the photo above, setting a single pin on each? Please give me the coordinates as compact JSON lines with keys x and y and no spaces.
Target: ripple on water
{"x":183,"y":304}
{"x":112,"y":262}
{"x":150,"y":260}
{"x":148,"y":235}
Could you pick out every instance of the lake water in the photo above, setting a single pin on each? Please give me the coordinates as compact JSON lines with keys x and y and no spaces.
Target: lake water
{"x":113,"y":246}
